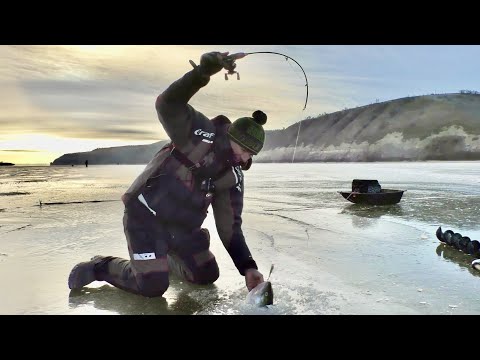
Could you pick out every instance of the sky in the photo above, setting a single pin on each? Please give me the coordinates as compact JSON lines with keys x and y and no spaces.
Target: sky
{"x":57,"y":99}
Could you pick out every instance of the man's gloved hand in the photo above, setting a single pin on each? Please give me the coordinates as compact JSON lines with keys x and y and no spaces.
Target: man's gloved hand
{"x":253,"y":277}
{"x":212,"y":62}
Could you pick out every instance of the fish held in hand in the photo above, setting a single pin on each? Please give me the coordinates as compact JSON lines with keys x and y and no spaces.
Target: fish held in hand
{"x":261,"y":295}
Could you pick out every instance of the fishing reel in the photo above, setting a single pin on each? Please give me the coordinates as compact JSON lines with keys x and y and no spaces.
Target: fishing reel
{"x":231,"y":73}
{"x":229,"y":64}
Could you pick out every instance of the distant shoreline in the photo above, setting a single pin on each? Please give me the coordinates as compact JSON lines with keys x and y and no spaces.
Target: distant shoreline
{"x":6,"y":163}
{"x":288,"y":162}
{"x":273,"y":162}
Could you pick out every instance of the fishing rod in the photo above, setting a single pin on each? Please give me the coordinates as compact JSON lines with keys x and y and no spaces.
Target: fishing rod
{"x":230,"y":65}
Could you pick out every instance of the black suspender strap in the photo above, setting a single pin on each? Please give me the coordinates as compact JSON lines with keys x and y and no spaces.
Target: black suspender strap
{"x":182,"y":158}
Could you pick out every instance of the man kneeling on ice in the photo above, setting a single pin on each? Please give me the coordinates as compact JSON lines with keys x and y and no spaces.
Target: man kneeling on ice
{"x":166,"y":205}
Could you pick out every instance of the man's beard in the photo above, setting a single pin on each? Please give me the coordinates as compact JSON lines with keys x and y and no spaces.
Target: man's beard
{"x":237,"y":160}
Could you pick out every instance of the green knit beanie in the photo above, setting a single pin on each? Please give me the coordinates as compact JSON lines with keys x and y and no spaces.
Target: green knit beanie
{"x":248,"y":131}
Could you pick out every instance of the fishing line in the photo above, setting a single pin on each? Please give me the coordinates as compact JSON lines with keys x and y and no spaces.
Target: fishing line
{"x":306,"y":85}
{"x":296,"y":141}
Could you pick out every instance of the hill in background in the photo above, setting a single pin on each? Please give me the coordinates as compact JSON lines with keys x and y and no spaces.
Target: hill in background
{"x":430,"y":127}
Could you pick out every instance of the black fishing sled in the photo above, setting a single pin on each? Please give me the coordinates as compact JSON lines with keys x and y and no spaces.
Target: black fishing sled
{"x":370,"y":192}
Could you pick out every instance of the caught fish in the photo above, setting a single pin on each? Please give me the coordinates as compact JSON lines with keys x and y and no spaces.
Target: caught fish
{"x":262,"y":294}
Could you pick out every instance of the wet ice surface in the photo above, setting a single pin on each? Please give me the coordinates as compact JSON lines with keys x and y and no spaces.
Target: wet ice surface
{"x":330,"y":256}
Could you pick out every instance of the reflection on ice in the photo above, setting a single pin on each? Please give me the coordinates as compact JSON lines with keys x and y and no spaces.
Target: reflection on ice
{"x":330,"y":257}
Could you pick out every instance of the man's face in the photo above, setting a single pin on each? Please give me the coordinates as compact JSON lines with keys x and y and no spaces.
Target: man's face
{"x":240,"y":154}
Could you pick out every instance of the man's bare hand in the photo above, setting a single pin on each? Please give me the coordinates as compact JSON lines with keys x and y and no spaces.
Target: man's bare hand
{"x":253,"y":277}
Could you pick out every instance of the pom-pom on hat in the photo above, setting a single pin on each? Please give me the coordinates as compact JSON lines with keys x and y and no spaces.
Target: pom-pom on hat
{"x":248,"y":131}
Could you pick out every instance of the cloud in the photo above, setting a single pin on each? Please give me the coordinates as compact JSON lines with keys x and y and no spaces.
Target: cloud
{"x":67,"y":90}
{"x":86,"y":126}
{"x":26,"y":151}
